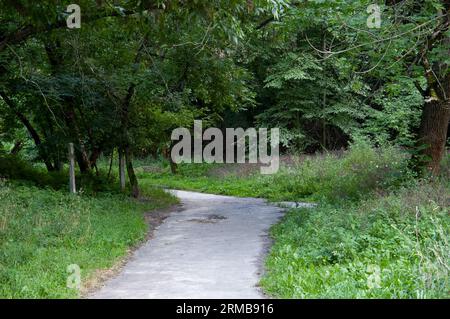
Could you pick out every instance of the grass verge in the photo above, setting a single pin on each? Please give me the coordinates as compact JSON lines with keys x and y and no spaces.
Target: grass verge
{"x":43,"y":231}
{"x":393,"y":246}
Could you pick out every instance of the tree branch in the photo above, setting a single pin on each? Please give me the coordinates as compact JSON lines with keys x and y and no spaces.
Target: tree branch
{"x":22,"y":34}
{"x":419,"y":88}
{"x":34,"y":134}
{"x":265,"y":22}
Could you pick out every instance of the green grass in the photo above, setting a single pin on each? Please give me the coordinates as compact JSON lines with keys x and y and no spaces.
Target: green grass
{"x":337,"y":251}
{"x":330,"y":177}
{"x":42,"y":231}
{"x":231,"y":185}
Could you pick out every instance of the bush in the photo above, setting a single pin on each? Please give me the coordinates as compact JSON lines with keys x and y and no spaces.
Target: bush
{"x":361,"y":170}
{"x":17,"y":169}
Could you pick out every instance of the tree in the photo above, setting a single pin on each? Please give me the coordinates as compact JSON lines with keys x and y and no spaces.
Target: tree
{"x":434,"y":58}
{"x":411,"y":47}
{"x":126,"y":63}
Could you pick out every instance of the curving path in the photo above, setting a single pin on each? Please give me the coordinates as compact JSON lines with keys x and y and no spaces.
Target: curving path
{"x":213,"y":248}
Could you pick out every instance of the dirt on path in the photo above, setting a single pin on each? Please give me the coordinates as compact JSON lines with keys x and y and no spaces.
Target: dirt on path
{"x":213,"y":248}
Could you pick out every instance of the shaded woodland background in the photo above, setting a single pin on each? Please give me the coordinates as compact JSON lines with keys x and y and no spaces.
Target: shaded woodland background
{"x":138,"y":69}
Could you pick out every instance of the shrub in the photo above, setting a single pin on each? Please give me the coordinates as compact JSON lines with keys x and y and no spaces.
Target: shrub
{"x":15,"y":168}
{"x":360,"y":170}
{"x":332,"y":177}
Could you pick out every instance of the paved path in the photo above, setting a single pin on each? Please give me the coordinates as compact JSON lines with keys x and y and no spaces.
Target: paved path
{"x":213,"y":248}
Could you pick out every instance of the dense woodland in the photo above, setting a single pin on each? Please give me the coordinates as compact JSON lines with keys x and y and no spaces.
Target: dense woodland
{"x":136,"y":70}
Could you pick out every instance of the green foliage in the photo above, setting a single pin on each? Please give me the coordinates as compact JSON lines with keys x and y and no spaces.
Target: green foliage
{"x":156,"y":65}
{"x":332,"y":177}
{"x":12,"y":167}
{"x":138,"y":69}
{"x":324,"y":77}
{"x":356,"y":173}
{"x":310,"y":95}
{"x":44,"y":231}
{"x":20,"y":171}
{"x":337,"y":251}
{"x":397,"y":115}
{"x":141,"y":68}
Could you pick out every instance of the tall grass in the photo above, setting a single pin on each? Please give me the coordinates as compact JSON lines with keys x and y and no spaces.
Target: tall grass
{"x":346,"y":176}
{"x":349,"y":176}
{"x":338,"y":251}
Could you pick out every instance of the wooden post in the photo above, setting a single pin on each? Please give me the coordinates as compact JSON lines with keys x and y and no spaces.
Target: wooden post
{"x":72,"y":184}
{"x":122,"y":169}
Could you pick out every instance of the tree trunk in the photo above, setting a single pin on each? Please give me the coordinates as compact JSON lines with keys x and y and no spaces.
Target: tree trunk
{"x":131,"y":175}
{"x":95,"y":154}
{"x":80,"y":151}
{"x":433,"y":135}
{"x":436,"y":112}
{"x":82,"y":160}
{"x":122,"y":169}
{"x":71,"y":157}
{"x":111,"y":163}
{"x":56,"y":59}
{"x":173,"y":165}
{"x":125,"y":113}
{"x":31,"y":130}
